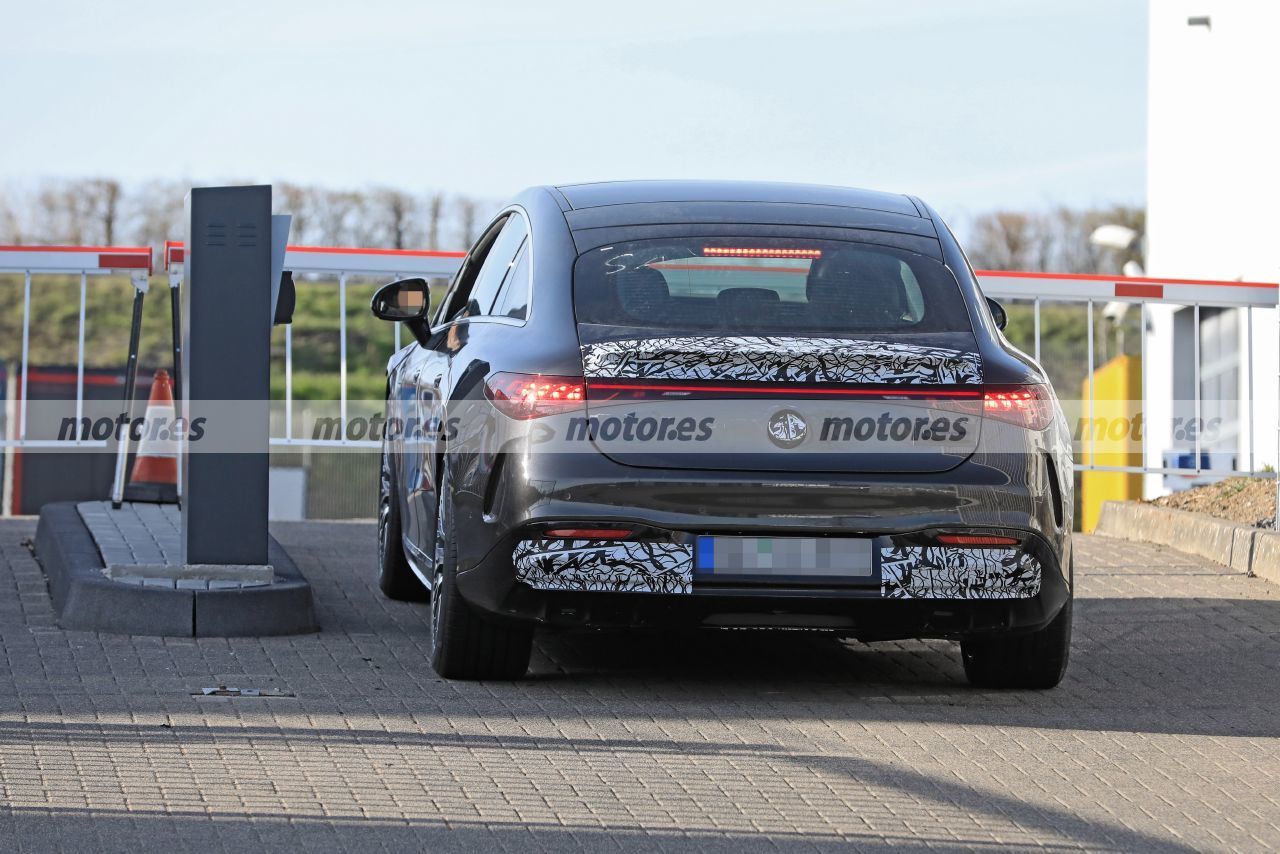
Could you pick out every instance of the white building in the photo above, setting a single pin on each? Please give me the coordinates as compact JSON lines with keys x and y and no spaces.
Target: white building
{"x":1213,"y":212}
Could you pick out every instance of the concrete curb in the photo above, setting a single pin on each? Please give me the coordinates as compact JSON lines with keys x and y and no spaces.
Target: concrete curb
{"x":85,"y":599}
{"x":1250,"y":550}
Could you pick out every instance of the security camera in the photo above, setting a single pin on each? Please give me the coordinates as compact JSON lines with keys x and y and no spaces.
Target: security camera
{"x":1115,"y":311}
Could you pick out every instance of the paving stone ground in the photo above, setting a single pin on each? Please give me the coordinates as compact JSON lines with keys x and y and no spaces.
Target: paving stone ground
{"x":1165,"y":735}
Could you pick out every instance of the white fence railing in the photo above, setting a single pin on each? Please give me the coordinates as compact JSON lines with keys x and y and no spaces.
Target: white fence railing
{"x":90,"y":263}
{"x":1152,"y":294}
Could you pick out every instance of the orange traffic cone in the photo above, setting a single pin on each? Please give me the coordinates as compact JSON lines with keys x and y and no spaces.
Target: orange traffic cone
{"x":155,"y":470}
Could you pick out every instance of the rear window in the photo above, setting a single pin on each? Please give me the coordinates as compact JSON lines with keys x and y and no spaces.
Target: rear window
{"x":766,"y":286}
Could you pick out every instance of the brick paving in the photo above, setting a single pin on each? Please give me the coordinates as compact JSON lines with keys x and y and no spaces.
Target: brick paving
{"x":137,"y":533}
{"x":141,"y":544}
{"x":1165,"y":735}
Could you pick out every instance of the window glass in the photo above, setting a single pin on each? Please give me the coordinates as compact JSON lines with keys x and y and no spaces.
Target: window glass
{"x":497,"y":264}
{"x":763,"y":286}
{"x":455,"y":300}
{"x":513,"y":299}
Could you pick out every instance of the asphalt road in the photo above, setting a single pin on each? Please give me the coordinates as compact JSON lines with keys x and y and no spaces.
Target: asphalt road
{"x":1165,"y":735}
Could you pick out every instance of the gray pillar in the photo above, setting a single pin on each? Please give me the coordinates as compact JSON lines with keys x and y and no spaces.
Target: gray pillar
{"x":226,"y":324}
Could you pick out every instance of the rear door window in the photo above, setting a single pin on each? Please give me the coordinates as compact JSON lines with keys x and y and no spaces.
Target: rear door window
{"x":513,"y":296}
{"x":764,"y":286}
{"x":497,"y":265}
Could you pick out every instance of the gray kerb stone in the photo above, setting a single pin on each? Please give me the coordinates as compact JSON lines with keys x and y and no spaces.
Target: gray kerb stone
{"x":204,"y":572}
{"x":120,"y":571}
{"x":1241,"y":547}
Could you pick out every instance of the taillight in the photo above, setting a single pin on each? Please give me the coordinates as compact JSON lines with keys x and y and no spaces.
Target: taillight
{"x":1026,"y":406}
{"x":975,"y":540}
{"x":525,"y":396}
{"x":589,"y":533}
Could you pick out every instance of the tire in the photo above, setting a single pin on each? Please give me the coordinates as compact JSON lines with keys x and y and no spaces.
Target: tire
{"x":395,"y":579}
{"x":467,"y":645}
{"x":1036,"y":661}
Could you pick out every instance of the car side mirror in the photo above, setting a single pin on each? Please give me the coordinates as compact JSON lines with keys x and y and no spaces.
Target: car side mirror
{"x":998,"y":314}
{"x":404,"y":300}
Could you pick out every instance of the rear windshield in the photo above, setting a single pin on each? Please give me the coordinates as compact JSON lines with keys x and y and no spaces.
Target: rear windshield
{"x":766,"y":286}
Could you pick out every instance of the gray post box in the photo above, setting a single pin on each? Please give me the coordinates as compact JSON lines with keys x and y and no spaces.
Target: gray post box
{"x":228,"y":304}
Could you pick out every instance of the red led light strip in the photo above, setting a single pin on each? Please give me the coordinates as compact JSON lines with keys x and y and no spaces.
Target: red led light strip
{"x":758,"y":252}
{"x":785,"y":390}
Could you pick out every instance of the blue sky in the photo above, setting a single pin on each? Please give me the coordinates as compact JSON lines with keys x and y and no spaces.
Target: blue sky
{"x":972,"y":105}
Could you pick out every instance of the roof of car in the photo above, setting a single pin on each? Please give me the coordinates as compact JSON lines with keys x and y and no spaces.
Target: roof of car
{"x":581,"y":196}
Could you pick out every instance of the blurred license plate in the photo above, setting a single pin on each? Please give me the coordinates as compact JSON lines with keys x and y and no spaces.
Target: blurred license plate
{"x":827,"y":557}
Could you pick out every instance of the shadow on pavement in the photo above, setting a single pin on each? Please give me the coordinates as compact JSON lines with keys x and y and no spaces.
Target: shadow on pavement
{"x":918,"y":791}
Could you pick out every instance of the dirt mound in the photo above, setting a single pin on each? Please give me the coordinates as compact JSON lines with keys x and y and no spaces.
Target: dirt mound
{"x":1244,"y":500}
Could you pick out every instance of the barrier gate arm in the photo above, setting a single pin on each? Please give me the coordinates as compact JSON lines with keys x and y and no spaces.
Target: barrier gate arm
{"x":1070,"y":287}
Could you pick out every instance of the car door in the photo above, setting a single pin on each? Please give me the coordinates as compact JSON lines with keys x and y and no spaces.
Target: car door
{"x":472,"y":295}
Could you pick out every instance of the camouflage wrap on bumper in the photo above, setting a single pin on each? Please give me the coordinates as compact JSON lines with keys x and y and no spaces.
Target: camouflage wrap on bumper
{"x":941,"y":572}
{"x":590,"y":565}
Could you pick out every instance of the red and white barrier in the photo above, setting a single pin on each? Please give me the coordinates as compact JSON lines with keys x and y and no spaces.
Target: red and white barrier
{"x":90,"y":260}
{"x":1070,"y":287}
{"x":336,"y":260}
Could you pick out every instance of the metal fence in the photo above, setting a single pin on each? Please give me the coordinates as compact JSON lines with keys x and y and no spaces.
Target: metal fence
{"x":1153,"y":295}
{"x":343,"y":265}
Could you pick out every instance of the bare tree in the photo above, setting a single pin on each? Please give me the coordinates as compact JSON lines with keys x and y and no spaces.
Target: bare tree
{"x":340,"y":216}
{"x":1010,"y":240}
{"x":296,"y":200}
{"x":102,"y":202}
{"x":56,"y":215}
{"x":10,"y":226}
{"x":1056,"y":240}
{"x":467,"y":214}
{"x":154,"y":212}
{"x":396,"y":210}
{"x":435,"y":210}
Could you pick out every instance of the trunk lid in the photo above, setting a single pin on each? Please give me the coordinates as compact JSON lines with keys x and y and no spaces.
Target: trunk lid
{"x":782,"y":403}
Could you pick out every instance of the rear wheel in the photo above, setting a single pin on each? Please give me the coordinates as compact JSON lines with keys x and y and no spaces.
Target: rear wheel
{"x":1037,"y":660}
{"x":395,"y":578}
{"x":467,"y":645}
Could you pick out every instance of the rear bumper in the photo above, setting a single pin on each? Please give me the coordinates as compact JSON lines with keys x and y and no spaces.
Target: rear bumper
{"x":911,"y":593}
{"x":896,"y":601}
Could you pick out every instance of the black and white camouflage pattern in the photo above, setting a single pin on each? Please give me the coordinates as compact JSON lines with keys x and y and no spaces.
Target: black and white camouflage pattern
{"x":942,"y":572}
{"x":595,"y":565}
{"x":780,"y":359}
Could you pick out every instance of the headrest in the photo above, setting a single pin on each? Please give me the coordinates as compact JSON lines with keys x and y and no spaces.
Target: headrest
{"x":744,"y":306}
{"x":860,"y":282}
{"x":733,"y":298}
{"x":642,"y":291}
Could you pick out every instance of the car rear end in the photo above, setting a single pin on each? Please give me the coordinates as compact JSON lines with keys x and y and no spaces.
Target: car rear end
{"x":781,"y":428}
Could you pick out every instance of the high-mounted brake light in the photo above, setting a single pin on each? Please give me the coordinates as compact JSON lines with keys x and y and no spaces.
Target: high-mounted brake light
{"x":976,"y":540}
{"x":589,"y":533}
{"x":525,"y":396}
{"x":758,"y":252}
{"x":1026,"y":406}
